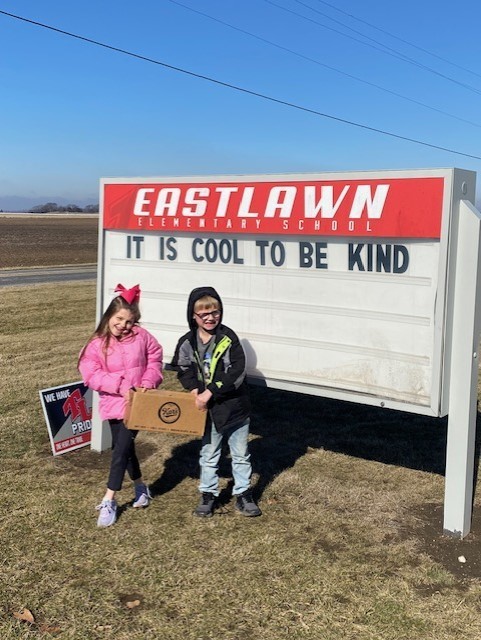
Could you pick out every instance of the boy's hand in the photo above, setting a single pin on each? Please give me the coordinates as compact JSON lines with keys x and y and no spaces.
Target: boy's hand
{"x":202,"y":399}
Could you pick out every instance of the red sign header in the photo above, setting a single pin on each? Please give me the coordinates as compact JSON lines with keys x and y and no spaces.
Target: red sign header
{"x":391,"y":207}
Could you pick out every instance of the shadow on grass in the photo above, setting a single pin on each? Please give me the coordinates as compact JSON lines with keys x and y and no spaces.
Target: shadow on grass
{"x":183,"y":463}
{"x":285,"y":425}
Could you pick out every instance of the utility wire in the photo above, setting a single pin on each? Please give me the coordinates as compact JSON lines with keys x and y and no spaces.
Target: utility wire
{"x":385,"y":50}
{"x":392,"y":35}
{"x":237,"y":88}
{"x":385,"y":47}
{"x":326,"y":66}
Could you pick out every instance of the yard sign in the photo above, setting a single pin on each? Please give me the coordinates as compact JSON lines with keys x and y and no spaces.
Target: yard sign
{"x":68,"y":414}
{"x":338,"y":284}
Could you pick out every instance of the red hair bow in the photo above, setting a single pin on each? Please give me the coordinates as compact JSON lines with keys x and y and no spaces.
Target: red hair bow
{"x":131,"y":296}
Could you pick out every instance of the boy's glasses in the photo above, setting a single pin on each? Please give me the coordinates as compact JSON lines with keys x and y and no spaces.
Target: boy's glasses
{"x":203,"y":316}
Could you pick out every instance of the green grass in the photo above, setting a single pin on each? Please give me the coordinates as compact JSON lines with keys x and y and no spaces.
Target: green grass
{"x":349,"y":546}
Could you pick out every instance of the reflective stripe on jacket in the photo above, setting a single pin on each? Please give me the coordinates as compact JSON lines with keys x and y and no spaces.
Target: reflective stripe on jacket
{"x":230,"y":403}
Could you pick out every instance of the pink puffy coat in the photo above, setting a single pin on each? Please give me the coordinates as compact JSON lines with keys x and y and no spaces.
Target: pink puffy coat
{"x":134,"y":361}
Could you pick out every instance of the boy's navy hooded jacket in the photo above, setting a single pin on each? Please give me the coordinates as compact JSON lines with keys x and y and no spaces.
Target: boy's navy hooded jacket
{"x":230,"y":403}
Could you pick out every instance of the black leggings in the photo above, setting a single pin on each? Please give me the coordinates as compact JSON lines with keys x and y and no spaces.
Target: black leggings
{"x":124,"y":457}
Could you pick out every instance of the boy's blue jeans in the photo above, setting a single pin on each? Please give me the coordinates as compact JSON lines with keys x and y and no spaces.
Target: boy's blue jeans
{"x":236,"y":438}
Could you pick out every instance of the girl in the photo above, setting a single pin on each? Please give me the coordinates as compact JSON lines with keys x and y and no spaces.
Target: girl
{"x":121,"y":355}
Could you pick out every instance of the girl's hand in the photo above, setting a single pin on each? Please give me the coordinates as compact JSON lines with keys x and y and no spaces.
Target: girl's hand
{"x":128,"y":394}
{"x":194,"y":392}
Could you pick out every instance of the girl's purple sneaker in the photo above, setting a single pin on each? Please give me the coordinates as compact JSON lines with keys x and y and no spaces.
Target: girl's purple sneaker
{"x":108,"y":513}
{"x":142,"y":496}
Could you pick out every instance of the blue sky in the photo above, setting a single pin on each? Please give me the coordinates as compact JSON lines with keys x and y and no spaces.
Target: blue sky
{"x":72,"y":112}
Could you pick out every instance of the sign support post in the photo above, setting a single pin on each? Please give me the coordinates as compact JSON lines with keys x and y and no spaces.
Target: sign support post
{"x":464,"y":375}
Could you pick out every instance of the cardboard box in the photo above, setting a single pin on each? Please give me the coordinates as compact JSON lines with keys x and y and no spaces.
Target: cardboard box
{"x":165,"y":411}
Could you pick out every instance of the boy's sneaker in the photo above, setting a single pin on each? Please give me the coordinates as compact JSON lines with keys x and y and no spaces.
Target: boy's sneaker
{"x":108,"y":513}
{"x":142,"y":496}
{"x":245,"y":504}
{"x":205,"y":508}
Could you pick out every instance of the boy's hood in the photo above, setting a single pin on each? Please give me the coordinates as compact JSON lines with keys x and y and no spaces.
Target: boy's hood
{"x":197,"y":293}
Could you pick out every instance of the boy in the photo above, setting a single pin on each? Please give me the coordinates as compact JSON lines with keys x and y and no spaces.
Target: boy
{"x":210,"y":363}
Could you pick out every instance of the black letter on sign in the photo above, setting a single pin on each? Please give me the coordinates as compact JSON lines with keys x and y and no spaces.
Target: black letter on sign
{"x":355,"y":257}
{"x":278,"y":253}
{"x":262,"y":244}
{"x":401,"y":259}
{"x":321,"y":255}
{"x":305,"y":254}
{"x":194,"y":246}
{"x":383,"y":258}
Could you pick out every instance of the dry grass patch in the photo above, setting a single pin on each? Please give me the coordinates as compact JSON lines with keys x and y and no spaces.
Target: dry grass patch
{"x":32,"y":241}
{"x":349,"y":546}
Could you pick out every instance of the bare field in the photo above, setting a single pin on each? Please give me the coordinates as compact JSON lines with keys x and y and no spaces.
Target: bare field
{"x":37,"y":241}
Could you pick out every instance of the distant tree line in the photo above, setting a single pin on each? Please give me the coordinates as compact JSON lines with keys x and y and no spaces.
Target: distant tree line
{"x":49,"y":207}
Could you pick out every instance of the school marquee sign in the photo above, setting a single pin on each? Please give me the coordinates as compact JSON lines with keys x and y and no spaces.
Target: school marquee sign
{"x":332,"y":280}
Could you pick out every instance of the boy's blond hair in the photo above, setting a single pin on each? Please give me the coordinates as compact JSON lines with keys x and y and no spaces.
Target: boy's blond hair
{"x":206,"y":303}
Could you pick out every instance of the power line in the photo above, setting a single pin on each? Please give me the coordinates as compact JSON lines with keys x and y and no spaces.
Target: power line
{"x":392,"y":35}
{"x":386,"y":50}
{"x":237,"y":88}
{"x":394,"y":52}
{"x":326,"y":66}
